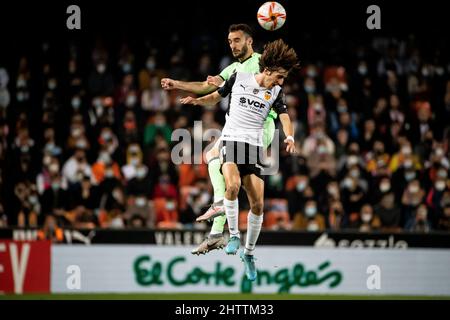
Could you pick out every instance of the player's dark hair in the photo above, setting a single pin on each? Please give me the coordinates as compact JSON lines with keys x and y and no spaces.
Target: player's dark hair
{"x":241,"y":27}
{"x":277,"y":54}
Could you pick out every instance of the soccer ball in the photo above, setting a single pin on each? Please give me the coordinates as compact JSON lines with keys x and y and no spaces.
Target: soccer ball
{"x":271,"y":15}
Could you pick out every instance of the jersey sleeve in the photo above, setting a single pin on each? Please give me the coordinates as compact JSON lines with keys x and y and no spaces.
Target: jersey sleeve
{"x":279,"y":105}
{"x":227,"y":72}
{"x":228,"y":85}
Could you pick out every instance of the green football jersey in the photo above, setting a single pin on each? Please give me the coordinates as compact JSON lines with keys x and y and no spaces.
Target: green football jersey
{"x":250,"y":65}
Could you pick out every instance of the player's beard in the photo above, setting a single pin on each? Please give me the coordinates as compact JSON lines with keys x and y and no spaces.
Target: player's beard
{"x":242,"y":53}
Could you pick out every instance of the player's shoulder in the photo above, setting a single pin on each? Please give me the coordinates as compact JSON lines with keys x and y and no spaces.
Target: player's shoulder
{"x":243,"y":75}
{"x":256,"y":55}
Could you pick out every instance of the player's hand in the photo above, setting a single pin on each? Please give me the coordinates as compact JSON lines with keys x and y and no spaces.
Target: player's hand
{"x":290,"y":146}
{"x":188,"y":100}
{"x":167,"y":84}
{"x":214,"y":81}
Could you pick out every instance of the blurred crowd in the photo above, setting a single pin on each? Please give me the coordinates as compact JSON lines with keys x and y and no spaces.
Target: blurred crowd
{"x":87,"y":143}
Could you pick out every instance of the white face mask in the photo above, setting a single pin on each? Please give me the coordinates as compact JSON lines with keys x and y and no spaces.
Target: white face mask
{"x":312,"y":226}
{"x":76,"y":102}
{"x":413,"y":189}
{"x":140,"y":202}
{"x":352,"y":160}
{"x":101,"y":68}
{"x":301,"y":186}
{"x":134,"y":161}
{"x":385,"y":187}
{"x":141,"y":172}
{"x":47,"y":160}
{"x":131,"y":100}
{"x":366,"y":217}
{"x":310,"y":211}
{"x":408,"y":163}
{"x":170,"y":205}
{"x":440,"y":185}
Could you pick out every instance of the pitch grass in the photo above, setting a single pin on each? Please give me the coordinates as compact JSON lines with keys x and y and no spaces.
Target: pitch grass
{"x":216,"y":296}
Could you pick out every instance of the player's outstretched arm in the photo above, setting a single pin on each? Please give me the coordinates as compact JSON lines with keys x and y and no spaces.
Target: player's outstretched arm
{"x":200,"y":88}
{"x":288,"y":130}
{"x":209,"y":100}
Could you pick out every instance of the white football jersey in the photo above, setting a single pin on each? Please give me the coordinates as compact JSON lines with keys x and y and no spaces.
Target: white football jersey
{"x":248,"y":108}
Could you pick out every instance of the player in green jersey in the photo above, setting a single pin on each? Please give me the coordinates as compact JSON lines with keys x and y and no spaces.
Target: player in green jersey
{"x":240,"y":41}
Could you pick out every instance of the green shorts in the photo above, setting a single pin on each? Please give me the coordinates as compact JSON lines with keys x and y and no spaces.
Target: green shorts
{"x":269,"y":129}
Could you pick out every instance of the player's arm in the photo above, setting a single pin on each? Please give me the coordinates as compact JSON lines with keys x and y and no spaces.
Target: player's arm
{"x":286,"y":123}
{"x":200,"y":88}
{"x":288,"y":130}
{"x":212,"y":98}
{"x":209,"y":100}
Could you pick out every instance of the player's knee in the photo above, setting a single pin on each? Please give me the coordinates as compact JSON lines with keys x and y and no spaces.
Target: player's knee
{"x":257,"y":207}
{"x":233,"y":189}
{"x":211,"y":154}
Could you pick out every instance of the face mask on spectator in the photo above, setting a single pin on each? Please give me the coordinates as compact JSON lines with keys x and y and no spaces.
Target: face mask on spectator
{"x":348,"y":183}
{"x":406,"y":150}
{"x":170,"y":205}
{"x":140,"y":201}
{"x":312,"y":226}
{"x":301,"y":186}
{"x":53,"y":168}
{"x":126,"y":67}
{"x":408,"y":163}
{"x":33,"y":199}
{"x":81,"y":144}
{"x":410,"y":175}
{"x":76,"y":132}
{"x":366,"y":217}
{"x":442,"y":173}
{"x":352,"y":160}
{"x":332,"y":190}
{"x":141,"y":172}
{"x":385,"y":186}
{"x":52,"y":84}
{"x":106,"y":135}
{"x":342,"y":108}
{"x":362,"y":69}
{"x":134,"y":161}
{"x":439,"y":152}
{"x":47,"y":160}
{"x":310,"y":211}
{"x":76,"y":102}
{"x":309,"y":88}
{"x":55,"y":185}
{"x":104,"y":157}
{"x":101,"y":67}
{"x":109,"y":173}
{"x":311,"y":72}
{"x":24,"y":149}
{"x":440,"y":185}
{"x":150,"y":65}
{"x":413,"y":188}
{"x":354,"y":173}
{"x":20,"y":96}
{"x":322,"y":149}
{"x":131,"y":100}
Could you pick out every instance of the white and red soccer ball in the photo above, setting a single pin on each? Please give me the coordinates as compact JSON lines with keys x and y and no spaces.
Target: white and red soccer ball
{"x":271,"y":15}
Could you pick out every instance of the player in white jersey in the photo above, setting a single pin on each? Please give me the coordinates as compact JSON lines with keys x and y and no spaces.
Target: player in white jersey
{"x":252,"y":97}
{"x":240,"y":41}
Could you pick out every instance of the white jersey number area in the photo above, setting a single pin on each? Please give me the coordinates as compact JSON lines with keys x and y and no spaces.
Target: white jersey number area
{"x":249,"y":107}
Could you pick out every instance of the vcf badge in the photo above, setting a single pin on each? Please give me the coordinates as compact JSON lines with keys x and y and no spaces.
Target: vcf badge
{"x":267,"y":95}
